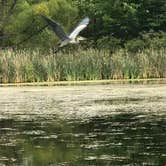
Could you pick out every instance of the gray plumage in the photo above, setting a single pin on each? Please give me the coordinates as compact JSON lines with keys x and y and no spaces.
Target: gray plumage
{"x":56,"y":28}
{"x":65,"y":39}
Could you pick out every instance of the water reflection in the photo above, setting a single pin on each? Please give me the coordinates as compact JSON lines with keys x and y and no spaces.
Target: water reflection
{"x":110,"y":140}
{"x":83,"y":126}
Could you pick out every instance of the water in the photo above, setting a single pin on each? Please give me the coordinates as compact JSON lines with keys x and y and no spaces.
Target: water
{"x":93,"y":125}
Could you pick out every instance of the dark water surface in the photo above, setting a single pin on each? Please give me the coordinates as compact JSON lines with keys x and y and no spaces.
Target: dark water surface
{"x":101,"y":125}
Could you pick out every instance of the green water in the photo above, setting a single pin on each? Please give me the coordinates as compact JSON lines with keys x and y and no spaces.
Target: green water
{"x":99,"y":125}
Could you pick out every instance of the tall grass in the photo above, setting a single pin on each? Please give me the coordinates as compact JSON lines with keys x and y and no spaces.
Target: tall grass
{"x":34,"y":66}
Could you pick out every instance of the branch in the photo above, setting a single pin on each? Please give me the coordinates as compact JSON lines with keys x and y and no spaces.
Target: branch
{"x":29,"y":37}
{"x":4,"y":22}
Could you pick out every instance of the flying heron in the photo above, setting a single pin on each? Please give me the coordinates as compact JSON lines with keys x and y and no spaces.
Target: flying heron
{"x":73,"y":37}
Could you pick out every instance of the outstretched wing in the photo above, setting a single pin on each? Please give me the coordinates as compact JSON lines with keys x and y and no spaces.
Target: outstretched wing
{"x":83,"y":24}
{"x":56,"y":28}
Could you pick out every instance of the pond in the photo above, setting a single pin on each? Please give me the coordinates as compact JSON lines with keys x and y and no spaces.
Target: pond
{"x":92,"y":125}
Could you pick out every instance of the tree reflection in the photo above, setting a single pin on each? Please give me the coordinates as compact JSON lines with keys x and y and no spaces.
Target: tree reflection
{"x":110,"y":140}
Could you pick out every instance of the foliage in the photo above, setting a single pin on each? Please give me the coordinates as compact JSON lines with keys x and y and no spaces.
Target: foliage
{"x":81,"y":64}
{"x":135,"y":45}
{"x":110,"y":43}
{"x":25,"y":21}
{"x":125,"y":19}
{"x":126,"y":39}
{"x":155,"y":40}
{"x":119,"y":22}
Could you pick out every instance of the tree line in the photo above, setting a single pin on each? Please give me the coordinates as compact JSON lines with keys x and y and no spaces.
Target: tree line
{"x":114,"y":23}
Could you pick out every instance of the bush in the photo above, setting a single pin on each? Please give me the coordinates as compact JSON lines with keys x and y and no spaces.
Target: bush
{"x":151,"y":39}
{"x":135,"y":45}
{"x":155,"y":40}
{"x":110,"y":43}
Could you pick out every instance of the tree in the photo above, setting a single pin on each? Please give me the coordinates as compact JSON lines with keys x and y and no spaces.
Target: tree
{"x":124,"y":19}
{"x":25,"y":22}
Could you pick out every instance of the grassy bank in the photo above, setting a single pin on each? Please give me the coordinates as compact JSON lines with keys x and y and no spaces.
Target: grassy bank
{"x":35,"y":66}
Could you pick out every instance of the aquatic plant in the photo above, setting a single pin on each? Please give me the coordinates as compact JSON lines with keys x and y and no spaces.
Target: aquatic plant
{"x":81,"y":64}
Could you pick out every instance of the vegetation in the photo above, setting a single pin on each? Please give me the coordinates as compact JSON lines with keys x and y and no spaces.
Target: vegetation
{"x":126,"y":39}
{"x":114,"y":21}
{"x":91,"y":64}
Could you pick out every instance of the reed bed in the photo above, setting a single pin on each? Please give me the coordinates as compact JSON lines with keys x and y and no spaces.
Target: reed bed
{"x":18,"y":66}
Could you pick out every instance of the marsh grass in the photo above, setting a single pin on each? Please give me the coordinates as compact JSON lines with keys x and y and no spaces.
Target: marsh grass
{"x":37,"y":66}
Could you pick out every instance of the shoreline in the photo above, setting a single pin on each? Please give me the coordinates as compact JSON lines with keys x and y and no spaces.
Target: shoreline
{"x":85,"y":82}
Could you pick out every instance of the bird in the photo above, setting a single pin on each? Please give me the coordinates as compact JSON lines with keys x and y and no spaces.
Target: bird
{"x":73,"y":37}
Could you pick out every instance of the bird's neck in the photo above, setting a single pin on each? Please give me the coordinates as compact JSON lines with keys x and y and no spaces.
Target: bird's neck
{"x":74,"y":41}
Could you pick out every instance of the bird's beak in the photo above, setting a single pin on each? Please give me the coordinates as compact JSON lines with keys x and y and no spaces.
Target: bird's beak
{"x":81,"y":38}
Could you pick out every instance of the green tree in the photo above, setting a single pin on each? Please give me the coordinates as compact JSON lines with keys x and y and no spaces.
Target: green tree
{"x":28,"y":28}
{"x":116,"y":20}
{"x":124,"y":19}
